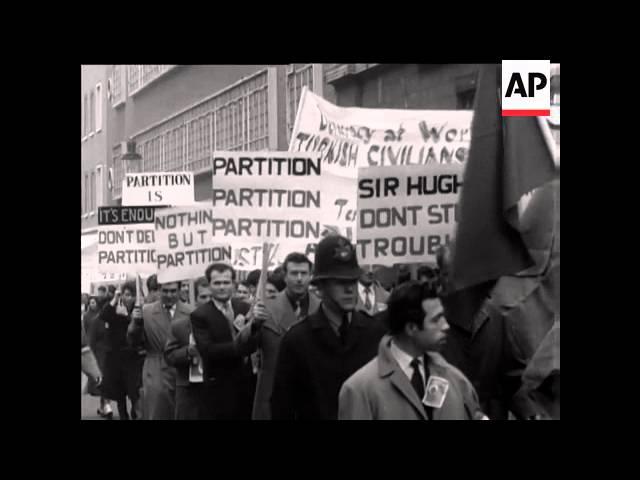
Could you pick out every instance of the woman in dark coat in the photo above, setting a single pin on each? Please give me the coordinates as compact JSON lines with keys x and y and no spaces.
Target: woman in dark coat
{"x":96,"y":336}
{"x":123,"y":363}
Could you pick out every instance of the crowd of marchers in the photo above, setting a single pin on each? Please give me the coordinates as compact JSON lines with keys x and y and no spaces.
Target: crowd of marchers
{"x":323,"y":341}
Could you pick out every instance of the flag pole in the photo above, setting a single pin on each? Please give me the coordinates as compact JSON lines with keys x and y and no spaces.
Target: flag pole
{"x":192,"y":292}
{"x":138,"y":291}
{"x":262,"y":282}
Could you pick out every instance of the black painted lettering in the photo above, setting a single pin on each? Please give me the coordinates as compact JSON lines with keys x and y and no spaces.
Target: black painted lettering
{"x":430,"y":133}
{"x":381,"y":245}
{"x":366,"y":188}
{"x":219,"y":163}
{"x":435,"y":217}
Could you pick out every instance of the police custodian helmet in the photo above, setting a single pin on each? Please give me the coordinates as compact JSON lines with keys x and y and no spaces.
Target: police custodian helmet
{"x":335,"y":259}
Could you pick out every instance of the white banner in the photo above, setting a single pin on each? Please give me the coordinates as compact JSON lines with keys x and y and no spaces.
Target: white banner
{"x":126,"y":249}
{"x":405,"y":214}
{"x":266,"y":196}
{"x":347,"y":138}
{"x":158,"y":189}
{"x":186,"y":245}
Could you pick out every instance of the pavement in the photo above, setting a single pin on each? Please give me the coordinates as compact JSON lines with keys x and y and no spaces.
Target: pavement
{"x":89,"y":405}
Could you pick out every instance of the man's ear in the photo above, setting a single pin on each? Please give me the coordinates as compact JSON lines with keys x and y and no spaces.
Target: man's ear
{"x":410,"y":329}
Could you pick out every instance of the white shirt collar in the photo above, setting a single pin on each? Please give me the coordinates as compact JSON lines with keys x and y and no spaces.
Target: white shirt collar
{"x":404,"y":360}
{"x":363,"y":295}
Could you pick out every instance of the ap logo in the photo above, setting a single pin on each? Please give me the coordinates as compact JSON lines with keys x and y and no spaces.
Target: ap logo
{"x":526,"y":88}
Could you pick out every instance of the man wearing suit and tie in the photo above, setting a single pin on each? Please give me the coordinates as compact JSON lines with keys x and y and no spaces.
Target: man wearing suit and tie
{"x":291,"y":305}
{"x":152,"y":331}
{"x":226,"y":366}
{"x":372,"y":298}
{"x":392,"y":386}
{"x":182,"y":354}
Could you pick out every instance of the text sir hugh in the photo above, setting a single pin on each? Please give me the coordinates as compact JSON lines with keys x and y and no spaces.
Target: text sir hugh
{"x":416,"y":185}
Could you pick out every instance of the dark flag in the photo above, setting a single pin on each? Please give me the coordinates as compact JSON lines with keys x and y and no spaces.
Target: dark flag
{"x":509,"y":157}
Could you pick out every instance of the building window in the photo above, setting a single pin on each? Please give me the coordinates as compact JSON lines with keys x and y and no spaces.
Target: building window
{"x":133,"y":78}
{"x":99,"y":187}
{"x":92,"y":193}
{"x":118,"y":170}
{"x":86,"y":115}
{"x":139,"y":76}
{"x":86,"y":193}
{"x":98,"y":107}
{"x":92,"y":113}
{"x":234,"y":119}
{"x":298,"y":76}
{"x":117,"y":94}
{"x":466,"y":91}
{"x":465,"y":99}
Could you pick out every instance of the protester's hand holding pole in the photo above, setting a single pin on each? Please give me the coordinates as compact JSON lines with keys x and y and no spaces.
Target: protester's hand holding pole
{"x":259,"y":311}
{"x":116,"y":297}
{"x":136,"y":314}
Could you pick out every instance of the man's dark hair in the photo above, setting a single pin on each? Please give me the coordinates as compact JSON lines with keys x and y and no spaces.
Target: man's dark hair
{"x":296,"y":257}
{"x":244,"y":283}
{"x":112,"y":289}
{"x":277,"y":280}
{"x":253,"y":278}
{"x":201,"y":282}
{"x":405,"y":305}
{"x":102,"y":288}
{"x":152,"y":283}
{"x":131,"y":286}
{"x":404,"y":275}
{"x":426,"y":271}
{"x":220,"y":268}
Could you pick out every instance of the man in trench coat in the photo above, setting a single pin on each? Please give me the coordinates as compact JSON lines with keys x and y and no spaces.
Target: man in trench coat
{"x":291,"y":305}
{"x":152,"y":332}
{"x":409,"y":379}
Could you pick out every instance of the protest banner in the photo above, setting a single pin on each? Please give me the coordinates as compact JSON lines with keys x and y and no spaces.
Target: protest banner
{"x":126,"y":240}
{"x":272,"y":196}
{"x":348,"y":138}
{"x":405,"y":213}
{"x":185,"y":246}
{"x":158,"y":189}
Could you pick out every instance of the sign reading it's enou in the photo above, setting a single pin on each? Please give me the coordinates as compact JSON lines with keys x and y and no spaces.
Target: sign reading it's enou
{"x":526,"y":88}
{"x":126,"y":240}
{"x":159,"y":188}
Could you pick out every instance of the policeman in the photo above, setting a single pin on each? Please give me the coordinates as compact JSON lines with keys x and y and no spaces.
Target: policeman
{"x":321,"y":351}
